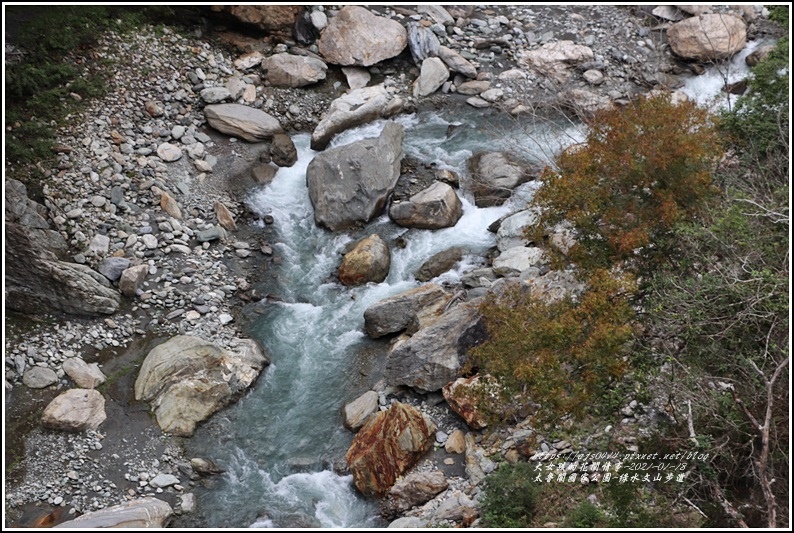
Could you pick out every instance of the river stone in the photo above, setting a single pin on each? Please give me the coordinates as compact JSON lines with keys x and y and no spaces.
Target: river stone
{"x":355,"y":36}
{"x":494,"y":176}
{"x":515,"y":260}
{"x":161,"y":481}
{"x":139,"y":513}
{"x":356,"y":77}
{"x":708,"y":37}
{"x":282,"y":150}
{"x":214,"y":233}
{"x":461,"y":399}
{"x":584,"y":103}
{"x":511,"y":230}
{"x":84,"y":375}
{"x":249,"y":60}
{"x":224,"y":216}
{"x":75,"y":410}
{"x":36,"y":281}
{"x":271,"y":18}
{"x":238,"y":120}
{"x":474,"y":87}
{"x":396,"y":313}
{"x":457,"y":508}
{"x":456,"y":442}
{"x":357,"y":107}
{"x":187,"y":379}
{"x":356,"y":412}
{"x":439,"y":263}
{"x":412,"y":490}
{"x":437,"y":13}
{"x":456,"y":62}
{"x":553,"y":59}
{"x":408,"y":522}
{"x":39,"y":377}
{"x":432,"y":76}
{"x":169,"y":205}
{"x":368,"y":262}
{"x":112,"y":267}
{"x":287,"y":70}
{"x":213,"y":95}
{"x":131,"y":279}
{"x":436,"y":207}
{"x":21,"y":209}
{"x":390,"y":443}
{"x":432,"y":357}
{"x":350,"y":184}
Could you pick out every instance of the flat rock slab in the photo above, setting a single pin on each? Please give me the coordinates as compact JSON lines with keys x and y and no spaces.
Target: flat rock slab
{"x":140,"y":513}
{"x":242,"y":121}
{"x":75,"y":410}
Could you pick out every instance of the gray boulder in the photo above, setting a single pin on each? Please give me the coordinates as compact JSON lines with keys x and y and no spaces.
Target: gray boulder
{"x":36,"y":281}
{"x":357,"y":107}
{"x":432,"y":357}
{"x":283,"y":151}
{"x":433,"y":208}
{"x":708,"y":37}
{"x":187,"y":379}
{"x":355,"y":36}
{"x":396,"y":313}
{"x":456,"y":62}
{"x":287,"y":70}
{"x":242,"y":121}
{"x":355,"y":413}
{"x":21,"y":209}
{"x":39,"y":377}
{"x":139,"y":513}
{"x":131,"y":279}
{"x":515,"y":260}
{"x":494,"y":176}
{"x":84,"y":375}
{"x":350,"y":184}
{"x":412,"y":490}
{"x":511,"y":230}
{"x":422,"y":42}
{"x":439,"y":263}
{"x":112,"y":267}
{"x":432,"y":76}
{"x":75,"y":410}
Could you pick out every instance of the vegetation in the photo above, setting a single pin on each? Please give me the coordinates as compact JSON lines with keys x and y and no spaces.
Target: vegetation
{"x":681,"y":221}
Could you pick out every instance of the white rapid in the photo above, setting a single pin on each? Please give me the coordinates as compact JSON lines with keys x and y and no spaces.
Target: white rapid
{"x":279,"y":443}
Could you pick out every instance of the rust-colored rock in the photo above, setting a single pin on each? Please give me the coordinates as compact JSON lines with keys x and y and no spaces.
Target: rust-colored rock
{"x":170,"y":206}
{"x":461,"y":398}
{"x":225,"y":218}
{"x":271,"y":18}
{"x":387,"y":446}
{"x":368,"y":261}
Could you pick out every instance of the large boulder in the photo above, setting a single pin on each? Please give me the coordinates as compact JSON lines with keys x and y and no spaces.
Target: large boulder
{"x":36,"y":281}
{"x":494,"y":176}
{"x":237,"y":120}
{"x":432,"y":76}
{"x":708,"y":37}
{"x":516,"y":260}
{"x":432,"y":357}
{"x":511,"y":230}
{"x":39,"y":377}
{"x":388,"y":445}
{"x":287,"y":70}
{"x":187,"y":379}
{"x":84,"y":375}
{"x":368,"y":262}
{"x":75,"y":410}
{"x":396,"y":313}
{"x":414,"y":489}
{"x":355,"y":413}
{"x":272,"y":18}
{"x":350,"y":184}
{"x":132,"y":278}
{"x":134,"y":514}
{"x":456,"y":62}
{"x":422,"y":42}
{"x":355,"y":36}
{"x":553,"y":60}
{"x":355,"y":108}
{"x":584,"y":103}
{"x":439,"y":263}
{"x":436,"y":207}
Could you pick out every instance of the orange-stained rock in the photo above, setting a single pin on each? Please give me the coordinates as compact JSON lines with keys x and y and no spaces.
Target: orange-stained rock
{"x":388,"y":445}
{"x":461,"y":399}
{"x":271,"y":18}
{"x":368,"y":261}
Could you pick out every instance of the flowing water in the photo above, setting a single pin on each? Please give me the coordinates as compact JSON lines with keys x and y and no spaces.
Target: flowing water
{"x":279,"y":443}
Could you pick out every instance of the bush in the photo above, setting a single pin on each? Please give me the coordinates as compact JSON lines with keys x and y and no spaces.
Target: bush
{"x":561,"y":354}
{"x":511,"y":497}
{"x":640,"y":170}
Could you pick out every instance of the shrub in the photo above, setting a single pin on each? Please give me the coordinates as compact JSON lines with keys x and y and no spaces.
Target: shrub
{"x":640,"y":171}
{"x":511,"y":497}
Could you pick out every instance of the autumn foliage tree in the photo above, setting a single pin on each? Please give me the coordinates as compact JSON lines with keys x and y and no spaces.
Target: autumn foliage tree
{"x":640,"y":170}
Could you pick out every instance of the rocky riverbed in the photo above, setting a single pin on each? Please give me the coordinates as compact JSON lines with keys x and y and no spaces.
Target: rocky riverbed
{"x":151,"y":197}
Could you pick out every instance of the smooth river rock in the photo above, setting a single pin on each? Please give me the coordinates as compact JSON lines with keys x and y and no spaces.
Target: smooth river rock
{"x":356,"y":36}
{"x":139,"y":513}
{"x":75,"y":410}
